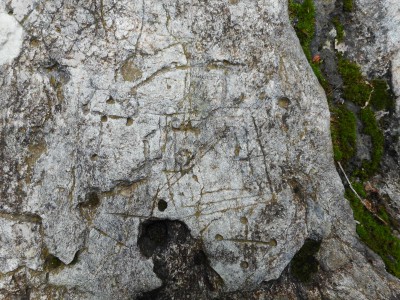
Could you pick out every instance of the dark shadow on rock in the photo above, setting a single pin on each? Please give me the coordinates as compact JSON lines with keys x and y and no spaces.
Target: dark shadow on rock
{"x":304,"y":264}
{"x":179,"y":261}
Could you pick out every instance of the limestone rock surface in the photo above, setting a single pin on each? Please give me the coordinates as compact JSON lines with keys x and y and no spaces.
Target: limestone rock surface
{"x":118,"y":115}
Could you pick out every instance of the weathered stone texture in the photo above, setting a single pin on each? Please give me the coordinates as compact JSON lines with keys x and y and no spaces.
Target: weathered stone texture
{"x":205,"y":112}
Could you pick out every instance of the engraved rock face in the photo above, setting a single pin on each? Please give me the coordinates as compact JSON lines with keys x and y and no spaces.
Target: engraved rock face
{"x":121,"y":112}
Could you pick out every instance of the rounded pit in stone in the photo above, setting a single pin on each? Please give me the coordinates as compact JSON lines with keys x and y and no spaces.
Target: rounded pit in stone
{"x":244,"y":264}
{"x":284,"y":102}
{"x":129,"y":122}
{"x":219,"y":237}
{"x":244,"y":220}
{"x":110,"y":101}
{"x":162,"y":205}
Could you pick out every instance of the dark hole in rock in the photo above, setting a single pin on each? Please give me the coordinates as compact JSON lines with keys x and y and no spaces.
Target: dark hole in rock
{"x":200,"y":258}
{"x":51,"y":262}
{"x":157,"y":232}
{"x":110,"y":100}
{"x":162,"y":205}
{"x":304,"y":264}
{"x":26,"y":296}
{"x":297,"y":189}
{"x":219,"y":237}
{"x":284,"y":102}
{"x":172,"y":248}
{"x":153,"y":235}
{"x":75,"y":259}
{"x":91,"y":200}
{"x":104,"y":119}
{"x":85,"y":108}
{"x":88,"y":207}
{"x":129,"y":121}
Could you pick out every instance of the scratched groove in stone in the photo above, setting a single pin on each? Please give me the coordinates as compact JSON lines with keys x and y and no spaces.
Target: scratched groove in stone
{"x":112,"y":106}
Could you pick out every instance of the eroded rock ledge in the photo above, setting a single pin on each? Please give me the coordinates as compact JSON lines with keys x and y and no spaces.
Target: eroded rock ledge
{"x":203,"y":114}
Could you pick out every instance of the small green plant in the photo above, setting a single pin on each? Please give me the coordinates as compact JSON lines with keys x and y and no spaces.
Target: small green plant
{"x":302,"y":16}
{"x":344,"y":134}
{"x":356,"y":88}
{"x":51,"y":262}
{"x":381,"y":98}
{"x":374,"y":233}
{"x":348,"y":5}
{"x":339,"y":29}
{"x":371,"y":128}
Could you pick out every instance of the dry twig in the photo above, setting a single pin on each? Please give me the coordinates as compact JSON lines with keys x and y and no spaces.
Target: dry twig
{"x":367,"y":204}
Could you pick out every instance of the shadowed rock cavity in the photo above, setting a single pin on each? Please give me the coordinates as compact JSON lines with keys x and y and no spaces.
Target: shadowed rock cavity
{"x":304,"y":264}
{"x":179,"y":261}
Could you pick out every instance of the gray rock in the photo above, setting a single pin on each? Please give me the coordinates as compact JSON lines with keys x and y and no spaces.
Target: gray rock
{"x":377,"y":50}
{"x":20,"y":244}
{"x":118,"y":113}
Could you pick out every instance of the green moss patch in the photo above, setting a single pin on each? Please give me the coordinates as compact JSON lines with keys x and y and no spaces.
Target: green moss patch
{"x":302,"y":16}
{"x":304,"y":264}
{"x":348,"y":5}
{"x":51,"y":262}
{"x":344,"y":133}
{"x":371,"y":128}
{"x":381,"y":98}
{"x":374,"y":233}
{"x":339,"y":29}
{"x":356,"y":88}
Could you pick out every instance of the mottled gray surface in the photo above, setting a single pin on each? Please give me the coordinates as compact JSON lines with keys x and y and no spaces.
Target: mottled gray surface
{"x":373,"y":41}
{"x":110,"y":107}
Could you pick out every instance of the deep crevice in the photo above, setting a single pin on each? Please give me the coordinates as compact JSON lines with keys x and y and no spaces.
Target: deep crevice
{"x":179,"y":261}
